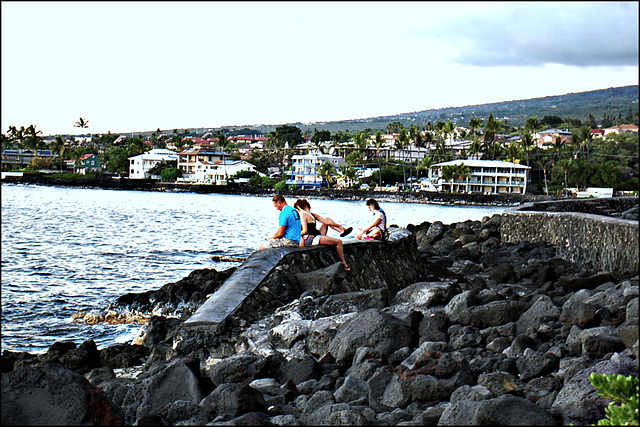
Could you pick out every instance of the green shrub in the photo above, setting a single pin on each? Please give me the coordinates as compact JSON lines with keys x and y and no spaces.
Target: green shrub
{"x":170,"y":174}
{"x":623,"y":392}
{"x":68,"y":175}
{"x":94,"y":174}
{"x":38,"y":163}
{"x":268,"y":182}
{"x":280,"y":185}
{"x":255,"y":181}
{"x":294,"y":187}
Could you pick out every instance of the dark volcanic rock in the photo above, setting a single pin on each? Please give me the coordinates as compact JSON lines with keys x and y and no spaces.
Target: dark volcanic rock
{"x":491,"y":333}
{"x":54,"y":395}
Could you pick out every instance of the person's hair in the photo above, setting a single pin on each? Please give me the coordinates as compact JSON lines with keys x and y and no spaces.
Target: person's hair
{"x":302,"y":204}
{"x":279,"y":198}
{"x":374,"y":203}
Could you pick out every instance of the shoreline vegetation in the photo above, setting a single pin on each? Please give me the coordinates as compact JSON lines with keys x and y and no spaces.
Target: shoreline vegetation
{"x":244,"y":189}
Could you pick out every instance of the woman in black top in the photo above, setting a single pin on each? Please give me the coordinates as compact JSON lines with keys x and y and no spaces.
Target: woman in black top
{"x":311,"y":235}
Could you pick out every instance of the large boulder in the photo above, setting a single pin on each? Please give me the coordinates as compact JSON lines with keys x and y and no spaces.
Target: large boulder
{"x":54,"y":395}
{"x":369,"y":328}
{"x":165,"y":383}
{"x":577,"y":402}
{"x":505,"y":410}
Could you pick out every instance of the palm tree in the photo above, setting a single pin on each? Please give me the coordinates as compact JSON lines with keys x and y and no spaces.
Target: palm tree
{"x":426,"y":163}
{"x":223,"y":142}
{"x":420,"y":142}
{"x":33,"y":139}
{"x":447,"y":174}
{"x":513,"y":152}
{"x":585,"y":141}
{"x":414,"y":135}
{"x":326,"y":171}
{"x":558,"y":145}
{"x":461,"y":171}
{"x":532,"y":126}
{"x":360,"y":141}
{"x":17,"y":135}
{"x":378,"y":142}
{"x":349,"y":172}
{"x":491,"y":129}
{"x":544,"y":164}
{"x":401,"y":144}
{"x":475,"y":124}
{"x":81,"y":123}
{"x":59,"y":146}
{"x":448,"y":130}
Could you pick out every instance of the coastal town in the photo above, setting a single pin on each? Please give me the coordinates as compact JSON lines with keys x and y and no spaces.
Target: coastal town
{"x":440,"y":157}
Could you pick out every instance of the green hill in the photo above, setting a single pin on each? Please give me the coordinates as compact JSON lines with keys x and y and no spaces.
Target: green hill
{"x":618,"y":101}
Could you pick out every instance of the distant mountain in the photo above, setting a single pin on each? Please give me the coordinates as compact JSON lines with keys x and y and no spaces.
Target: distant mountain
{"x":613,"y":101}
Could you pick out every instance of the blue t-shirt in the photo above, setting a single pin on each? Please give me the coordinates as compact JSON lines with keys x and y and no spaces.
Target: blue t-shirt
{"x":290,"y":218}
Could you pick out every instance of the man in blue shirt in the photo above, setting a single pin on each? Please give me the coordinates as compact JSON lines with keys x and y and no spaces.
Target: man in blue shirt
{"x":289,"y":228}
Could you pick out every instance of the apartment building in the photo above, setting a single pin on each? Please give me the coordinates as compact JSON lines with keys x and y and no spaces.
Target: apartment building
{"x":305,"y":168}
{"x":486,"y":176}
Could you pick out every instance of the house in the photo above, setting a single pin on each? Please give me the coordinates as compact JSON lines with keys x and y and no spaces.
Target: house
{"x":189,"y":159}
{"x":621,"y":129}
{"x":548,"y":137}
{"x":217,"y":172}
{"x":305,"y":167}
{"x":596,"y":133}
{"x":486,"y":176}
{"x":87,"y":163}
{"x":139,"y":165}
{"x":21,"y":157}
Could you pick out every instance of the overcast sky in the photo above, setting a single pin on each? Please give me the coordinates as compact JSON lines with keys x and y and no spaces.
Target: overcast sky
{"x":139,"y":66}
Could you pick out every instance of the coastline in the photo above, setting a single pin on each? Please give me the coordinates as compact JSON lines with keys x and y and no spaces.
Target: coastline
{"x":246,"y":190}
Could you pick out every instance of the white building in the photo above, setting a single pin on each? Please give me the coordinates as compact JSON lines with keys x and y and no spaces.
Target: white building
{"x":305,"y":167}
{"x":216,"y":172}
{"x":139,"y":165}
{"x":486,"y":176}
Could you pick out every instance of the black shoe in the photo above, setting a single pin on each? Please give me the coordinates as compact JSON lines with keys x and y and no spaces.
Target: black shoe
{"x":347,"y":231}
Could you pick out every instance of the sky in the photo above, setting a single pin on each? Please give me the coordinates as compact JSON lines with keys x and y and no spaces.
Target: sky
{"x":139,"y":66}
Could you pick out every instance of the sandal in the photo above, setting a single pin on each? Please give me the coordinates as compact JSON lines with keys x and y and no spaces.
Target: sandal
{"x":347,"y":231}
{"x":347,"y":269}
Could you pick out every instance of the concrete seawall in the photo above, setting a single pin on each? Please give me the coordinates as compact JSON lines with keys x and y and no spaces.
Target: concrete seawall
{"x":271,"y":278}
{"x":274,"y":277}
{"x":607,"y":242}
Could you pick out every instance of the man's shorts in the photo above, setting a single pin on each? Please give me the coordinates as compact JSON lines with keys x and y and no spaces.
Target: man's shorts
{"x":282,"y":242}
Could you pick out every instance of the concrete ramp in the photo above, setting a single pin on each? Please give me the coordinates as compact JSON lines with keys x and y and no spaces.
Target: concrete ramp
{"x":267,"y":279}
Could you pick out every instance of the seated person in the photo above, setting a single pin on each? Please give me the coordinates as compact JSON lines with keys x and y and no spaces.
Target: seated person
{"x":311,"y":235}
{"x":377,"y":230}
{"x":325,"y":222}
{"x":288,"y":231}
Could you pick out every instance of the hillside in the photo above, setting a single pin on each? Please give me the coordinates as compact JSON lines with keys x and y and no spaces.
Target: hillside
{"x":612,"y":101}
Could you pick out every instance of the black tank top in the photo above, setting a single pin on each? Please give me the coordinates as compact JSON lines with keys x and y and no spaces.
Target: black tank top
{"x":311,"y":228}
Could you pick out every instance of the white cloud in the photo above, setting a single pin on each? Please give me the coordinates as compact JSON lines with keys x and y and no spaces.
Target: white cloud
{"x":129,"y":66}
{"x":525,"y":34}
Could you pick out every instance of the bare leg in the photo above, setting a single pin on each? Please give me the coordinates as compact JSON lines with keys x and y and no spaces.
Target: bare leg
{"x":328,"y":222}
{"x":332,"y":241}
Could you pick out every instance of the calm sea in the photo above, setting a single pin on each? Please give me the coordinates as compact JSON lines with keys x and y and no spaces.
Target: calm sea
{"x":66,"y":250}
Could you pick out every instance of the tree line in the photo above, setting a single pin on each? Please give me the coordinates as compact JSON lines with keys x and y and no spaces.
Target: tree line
{"x":579,"y":161}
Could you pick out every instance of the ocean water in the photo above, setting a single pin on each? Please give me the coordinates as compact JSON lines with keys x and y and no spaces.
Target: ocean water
{"x":66,"y":250}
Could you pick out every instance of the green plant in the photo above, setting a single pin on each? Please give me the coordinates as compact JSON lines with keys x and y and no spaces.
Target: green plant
{"x":623,"y":391}
{"x":280,"y":185}
{"x":170,"y":174}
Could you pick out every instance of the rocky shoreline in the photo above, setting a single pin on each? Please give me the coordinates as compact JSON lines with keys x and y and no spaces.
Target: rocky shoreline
{"x":492,"y":334}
